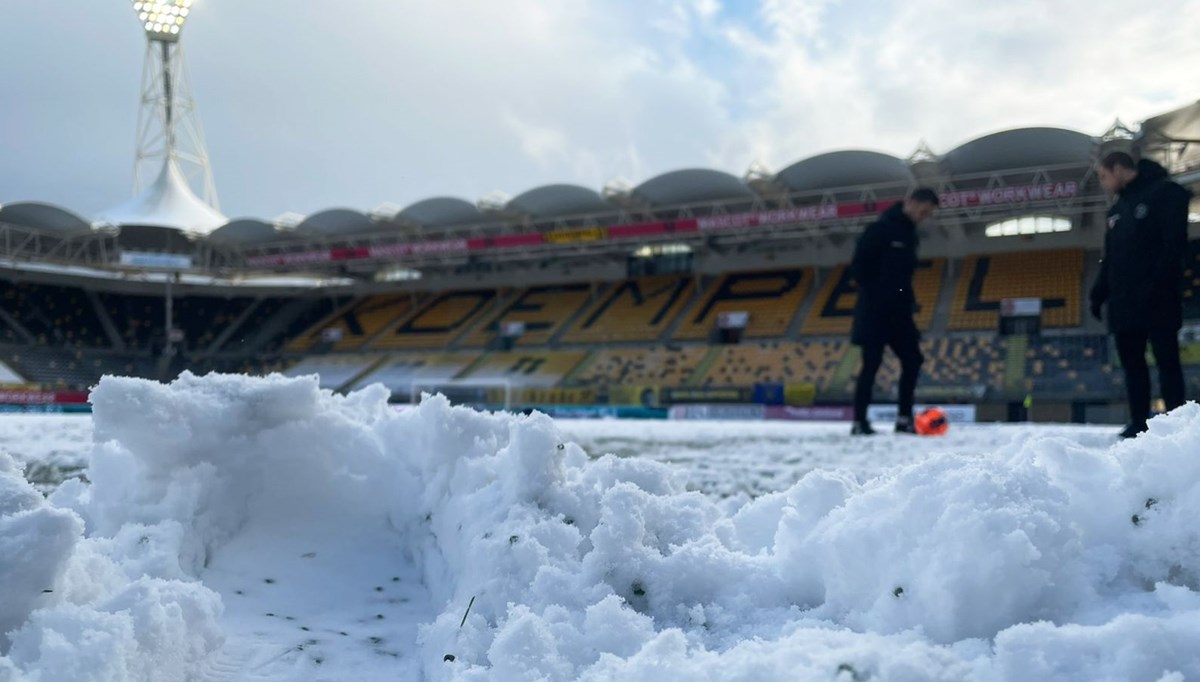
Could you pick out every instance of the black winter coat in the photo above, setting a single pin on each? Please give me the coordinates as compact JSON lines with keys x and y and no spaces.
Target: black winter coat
{"x":1141,"y":274}
{"x":885,"y":259}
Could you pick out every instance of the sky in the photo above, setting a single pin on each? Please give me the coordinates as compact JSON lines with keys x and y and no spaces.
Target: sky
{"x":320,"y":104}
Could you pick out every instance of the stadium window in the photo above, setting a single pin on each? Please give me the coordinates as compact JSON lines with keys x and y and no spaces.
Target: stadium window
{"x":1027,"y":225}
{"x":660,"y":259}
{"x":397,"y":274}
{"x":651,"y":250}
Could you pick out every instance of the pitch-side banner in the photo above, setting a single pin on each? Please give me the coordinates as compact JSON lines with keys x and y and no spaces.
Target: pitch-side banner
{"x":969,"y":198}
{"x":961,"y":414}
{"x":28,"y":397}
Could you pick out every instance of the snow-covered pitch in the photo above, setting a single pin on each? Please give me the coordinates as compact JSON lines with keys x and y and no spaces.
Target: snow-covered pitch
{"x":232,"y":528}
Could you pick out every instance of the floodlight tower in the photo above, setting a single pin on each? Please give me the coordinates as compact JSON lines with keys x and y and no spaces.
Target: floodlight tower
{"x":168,"y":125}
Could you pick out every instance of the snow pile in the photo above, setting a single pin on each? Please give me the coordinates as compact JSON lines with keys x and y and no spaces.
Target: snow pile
{"x":83,"y":609}
{"x":1045,"y":560}
{"x":957,"y":567}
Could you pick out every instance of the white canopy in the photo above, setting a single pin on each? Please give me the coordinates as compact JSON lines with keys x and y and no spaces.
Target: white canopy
{"x":168,"y":202}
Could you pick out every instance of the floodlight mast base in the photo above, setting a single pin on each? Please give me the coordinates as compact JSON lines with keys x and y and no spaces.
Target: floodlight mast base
{"x":168,"y":125}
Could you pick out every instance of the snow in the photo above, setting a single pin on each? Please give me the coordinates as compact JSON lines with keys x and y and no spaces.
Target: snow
{"x":51,"y":447}
{"x":232,"y":528}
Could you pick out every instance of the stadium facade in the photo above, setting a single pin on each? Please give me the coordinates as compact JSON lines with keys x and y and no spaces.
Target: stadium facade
{"x":693,"y":286}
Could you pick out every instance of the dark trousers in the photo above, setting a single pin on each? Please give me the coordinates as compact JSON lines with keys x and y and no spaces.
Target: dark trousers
{"x":1131,"y":348}
{"x":905,"y":343}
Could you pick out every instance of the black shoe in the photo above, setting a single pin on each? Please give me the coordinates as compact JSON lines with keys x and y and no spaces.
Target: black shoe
{"x":1133,"y":430}
{"x":905,"y":425}
{"x":861,"y":428}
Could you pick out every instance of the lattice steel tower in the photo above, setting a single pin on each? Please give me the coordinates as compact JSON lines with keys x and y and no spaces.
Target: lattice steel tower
{"x":168,"y":127}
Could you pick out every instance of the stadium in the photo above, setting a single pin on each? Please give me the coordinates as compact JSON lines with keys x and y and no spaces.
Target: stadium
{"x":692,"y":287}
{"x":588,"y":433}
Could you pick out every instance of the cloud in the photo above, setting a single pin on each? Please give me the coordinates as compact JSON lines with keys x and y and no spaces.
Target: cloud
{"x":896,"y":73}
{"x":319,"y":104}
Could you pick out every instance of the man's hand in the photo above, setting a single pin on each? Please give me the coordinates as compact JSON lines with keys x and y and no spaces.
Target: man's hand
{"x":1096,"y":313}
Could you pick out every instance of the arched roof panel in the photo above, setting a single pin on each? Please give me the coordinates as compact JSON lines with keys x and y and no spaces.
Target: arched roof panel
{"x":335,"y":222}
{"x":244,"y":231}
{"x":556,"y":200}
{"x":690,"y":186}
{"x":441,"y":212}
{"x":46,"y":217}
{"x":844,"y":169}
{"x":1020,"y":148}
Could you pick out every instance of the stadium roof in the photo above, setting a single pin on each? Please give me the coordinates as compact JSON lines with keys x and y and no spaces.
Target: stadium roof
{"x":844,"y":169}
{"x":167,"y":202}
{"x":441,"y":212}
{"x":1020,"y":148}
{"x":1180,"y":124}
{"x":1174,"y":137}
{"x":245,"y":231}
{"x":692,"y":186}
{"x":555,"y":200}
{"x":44,"y":217}
{"x":336,"y":221}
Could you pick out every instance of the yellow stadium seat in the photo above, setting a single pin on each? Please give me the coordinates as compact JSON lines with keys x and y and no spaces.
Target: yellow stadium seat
{"x":438,"y":322}
{"x":638,"y":309}
{"x":1054,"y":276}
{"x":543,"y":310}
{"x":771,"y":297}
{"x":833,"y":312}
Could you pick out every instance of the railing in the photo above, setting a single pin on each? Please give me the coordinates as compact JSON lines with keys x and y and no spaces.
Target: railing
{"x":771,"y":214}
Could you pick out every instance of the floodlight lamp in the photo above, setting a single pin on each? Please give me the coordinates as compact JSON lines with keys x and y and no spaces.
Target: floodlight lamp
{"x":162,"y":19}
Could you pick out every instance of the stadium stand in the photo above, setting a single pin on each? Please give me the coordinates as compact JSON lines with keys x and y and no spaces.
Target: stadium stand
{"x":140,"y":320}
{"x":405,"y":373}
{"x":54,"y":315}
{"x":1191,"y":376}
{"x":1191,"y":282}
{"x":833,"y":311}
{"x":335,"y":370}
{"x":771,"y":297}
{"x":1055,"y":276}
{"x":657,"y":365}
{"x":1071,"y":366}
{"x":956,"y":366}
{"x":638,"y":309}
{"x":277,"y":322}
{"x":76,"y":369}
{"x":8,"y":334}
{"x":527,"y":368}
{"x":975,"y":362}
{"x":356,"y":323}
{"x":782,"y":362}
{"x":439,"y":322}
{"x":202,"y":318}
{"x":542,"y":311}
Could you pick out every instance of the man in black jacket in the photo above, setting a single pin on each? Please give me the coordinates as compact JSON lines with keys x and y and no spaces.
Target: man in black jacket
{"x":1141,"y":278}
{"x":885,"y":259}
